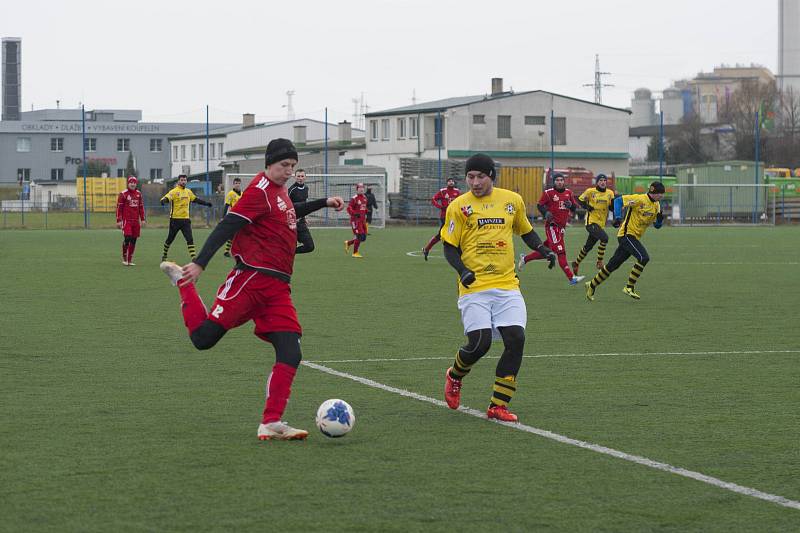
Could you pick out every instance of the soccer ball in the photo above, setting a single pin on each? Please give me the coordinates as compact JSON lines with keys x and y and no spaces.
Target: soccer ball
{"x":335,"y":418}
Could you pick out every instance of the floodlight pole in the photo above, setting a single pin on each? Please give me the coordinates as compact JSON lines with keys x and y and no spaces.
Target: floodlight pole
{"x":552,"y":144}
{"x":758,"y":156}
{"x":661,"y":146}
{"x":437,"y":136}
{"x":83,"y":134}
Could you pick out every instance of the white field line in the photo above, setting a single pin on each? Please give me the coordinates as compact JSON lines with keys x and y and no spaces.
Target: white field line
{"x":733,"y":487}
{"x":633,"y":354}
{"x":418,"y":253}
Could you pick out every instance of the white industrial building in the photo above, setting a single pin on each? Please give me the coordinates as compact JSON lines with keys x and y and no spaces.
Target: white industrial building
{"x":789,"y":45}
{"x":513,"y":128}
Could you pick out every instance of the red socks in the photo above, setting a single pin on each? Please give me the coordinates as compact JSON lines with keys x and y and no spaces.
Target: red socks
{"x":436,"y":238}
{"x":279,"y":388}
{"x":564,"y":264}
{"x":356,"y":245}
{"x":194,"y":312}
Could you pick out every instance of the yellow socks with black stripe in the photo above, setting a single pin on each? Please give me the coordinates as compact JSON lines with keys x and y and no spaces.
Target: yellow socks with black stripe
{"x":460,"y":368}
{"x":600,"y":277}
{"x":503,"y":390}
{"x":636,"y":271}
{"x":581,"y":256}
{"x":192,"y":251}
{"x":166,"y":250}
{"x":228,"y":246}
{"x":601,"y":250}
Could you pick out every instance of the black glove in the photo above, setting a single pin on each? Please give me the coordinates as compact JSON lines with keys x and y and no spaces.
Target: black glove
{"x":589,"y":208}
{"x":548,"y":216}
{"x":467,"y":278}
{"x":548,"y":254}
{"x":660,"y":218}
{"x":617,"y":222}
{"x":568,"y":204}
{"x":356,"y":215}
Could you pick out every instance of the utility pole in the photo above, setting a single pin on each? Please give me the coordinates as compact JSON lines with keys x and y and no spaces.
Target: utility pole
{"x":289,"y":106}
{"x":598,"y":81}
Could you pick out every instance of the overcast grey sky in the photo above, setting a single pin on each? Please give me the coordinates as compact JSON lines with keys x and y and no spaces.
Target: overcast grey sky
{"x":171,"y":58}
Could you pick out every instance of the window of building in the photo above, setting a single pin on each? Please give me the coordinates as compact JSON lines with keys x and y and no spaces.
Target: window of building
{"x":560,"y":130}
{"x":155,"y":174}
{"x":503,"y":126}
{"x":479,"y":119}
{"x":220,"y":152}
{"x":534,"y":120}
{"x":211,"y":154}
{"x":413,"y":127}
{"x":120,"y":172}
{"x":57,"y":174}
{"x":373,"y":130}
{"x":123,"y":145}
{"x":90,"y":144}
{"x":401,"y":128}
{"x":57,"y":144}
{"x":385,"y":129}
{"x":24,"y":174}
{"x":201,"y":150}
{"x":194,"y":152}
{"x":23,"y":144}
{"x":183,"y":152}
{"x":174,"y":153}
{"x":155,"y":145}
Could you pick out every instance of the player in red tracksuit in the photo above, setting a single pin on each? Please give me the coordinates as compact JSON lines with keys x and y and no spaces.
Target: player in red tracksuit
{"x":357,"y":209}
{"x":130,"y":218}
{"x":441,"y":200}
{"x":557,"y":205}
{"x":263,"y":226}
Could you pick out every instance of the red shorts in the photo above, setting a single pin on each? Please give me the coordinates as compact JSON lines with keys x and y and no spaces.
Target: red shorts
{"x":555,"y":238}
{"x":131,"y":228}
{"x":358,"y":225}
{"x":250,"y":295}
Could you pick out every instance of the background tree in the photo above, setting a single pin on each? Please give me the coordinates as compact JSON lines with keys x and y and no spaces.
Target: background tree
{"x":94,"y":169}
{"x":130,"y":166}
{"x":682,"y":143}
{"x":750,"y":97}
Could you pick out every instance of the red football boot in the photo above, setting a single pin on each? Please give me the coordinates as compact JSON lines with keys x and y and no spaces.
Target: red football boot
{"x":452,"y":391}
{"x":501,"y":412}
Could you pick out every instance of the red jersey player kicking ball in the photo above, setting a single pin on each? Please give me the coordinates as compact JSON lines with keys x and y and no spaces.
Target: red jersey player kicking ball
{"x":440,"y":201}
{"x":357,"y":209}
{"x":557,"y":205}
{"x":263,"y":226}
{"x":130,"y":218}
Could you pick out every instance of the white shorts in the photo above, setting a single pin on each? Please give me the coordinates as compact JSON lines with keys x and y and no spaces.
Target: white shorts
{"x":492,"y":309}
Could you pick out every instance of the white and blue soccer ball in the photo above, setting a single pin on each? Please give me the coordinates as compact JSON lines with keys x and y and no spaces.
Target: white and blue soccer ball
{"x":335,"y":418}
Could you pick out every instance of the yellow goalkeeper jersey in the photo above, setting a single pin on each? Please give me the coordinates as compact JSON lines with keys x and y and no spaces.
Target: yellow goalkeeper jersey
{"x":600,"y":201}
{"x":232,"y":197}
{"x":484,"y":228}
{"x":179,"y":199}
{"x":641,"y":214}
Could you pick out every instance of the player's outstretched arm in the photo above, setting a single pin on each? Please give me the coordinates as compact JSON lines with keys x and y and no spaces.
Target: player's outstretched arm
{"x":534,"y":242}
{"x":302,"y":209}
{"x":198,"y":201}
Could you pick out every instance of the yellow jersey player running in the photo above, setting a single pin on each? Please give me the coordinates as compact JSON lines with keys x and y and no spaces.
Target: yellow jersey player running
{"x":478,"y":243}
{"x":597,"y":201}
{"x":230,"y":200}
{"x":179,"y":199}
{"x":642,"y":211}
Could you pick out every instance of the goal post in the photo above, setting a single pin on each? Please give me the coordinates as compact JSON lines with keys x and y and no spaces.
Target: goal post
{"x":327,"y":185}
{"x":715,"y":204}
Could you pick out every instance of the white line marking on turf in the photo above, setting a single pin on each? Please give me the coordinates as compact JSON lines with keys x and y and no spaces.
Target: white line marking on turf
{"x":448,"y":358}
{"x":733,"y":487}
{"x":418,"y":253}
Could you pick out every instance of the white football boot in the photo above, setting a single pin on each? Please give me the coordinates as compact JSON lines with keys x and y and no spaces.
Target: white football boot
{"x":172,"y":270}
{"x":280,"y":431}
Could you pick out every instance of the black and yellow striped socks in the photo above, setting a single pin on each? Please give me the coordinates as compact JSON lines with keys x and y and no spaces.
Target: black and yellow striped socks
{"x":166,"y":251}
{"x":601,"y":251}
{"x":503,"y":390}
{"x":228,"y":247}
{"x":192,"y":250}
{"x":581,"y":256}
{"x":636,"y":271}
{"x":459,"y":368}
{"x":600,"y":277}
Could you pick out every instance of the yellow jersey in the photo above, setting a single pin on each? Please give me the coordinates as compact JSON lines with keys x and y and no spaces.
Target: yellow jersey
{"x":641,"y":213}
{"x":232,"y":197}
{"x":179,"y":199}
{"x":483,"y":228}
{"x":600,"y":202}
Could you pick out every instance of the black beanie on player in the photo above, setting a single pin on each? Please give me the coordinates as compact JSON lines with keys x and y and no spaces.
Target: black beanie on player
{"x":600,"y":177}
{"x":278,"y":150}
{"x":482,"y":163}
{"x":657,"y":188}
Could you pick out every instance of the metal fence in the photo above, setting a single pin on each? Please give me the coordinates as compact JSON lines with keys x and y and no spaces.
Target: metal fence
{"x":719,"y":204}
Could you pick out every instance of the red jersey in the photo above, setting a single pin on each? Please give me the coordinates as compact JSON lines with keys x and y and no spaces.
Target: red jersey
{"x":130,"y":206}
{"x":554,"y":201}
{"x":357,"y":208}
{"x":443,"y":198}
{"x":268,"y":241}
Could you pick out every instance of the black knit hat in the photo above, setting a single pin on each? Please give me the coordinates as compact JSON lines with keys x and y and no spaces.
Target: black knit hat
{"x":278,"y":150}
{"x":657,"y":188}
{"x":482,"y":163}
{"x":600,"y":177}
